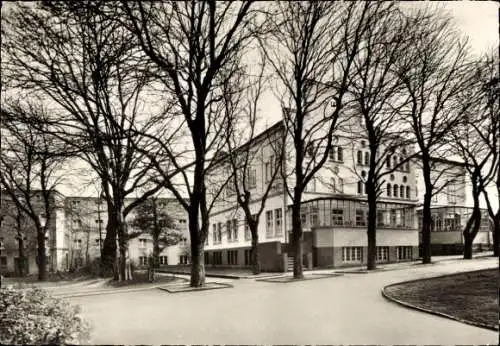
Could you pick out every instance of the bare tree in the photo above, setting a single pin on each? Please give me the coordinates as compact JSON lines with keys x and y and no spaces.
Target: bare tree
{"x":477,"y":142}
{"x":376,"y":91}
{"x":434,"y":72}
{"x":90,"y":69}
{"x":245,"y":149}
{"x":311,"y":49}
{"x":195,"y":49}
{"x":30,"y":164}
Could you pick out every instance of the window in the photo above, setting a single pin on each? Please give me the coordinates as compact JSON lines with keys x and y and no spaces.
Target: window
{"x":405,"y":179}
{"x":340,"y":154}
{"x":313,"y":214}
{"x":435,"y":197}
{"x":404,"y":252}
{"x":278,"y":215}
{"x":407,"y":166}
{"x":143,"y":260}
{"x":408,"y":193}
{"x":303,"y":216}
{"x":163,"y":260}
{"x":389,"y":190}
{"x":207,"y":236}
{"x":232,"y":257}
{"x":393,"y":217}
{"x":395,"y":189}
{"x":142,"y":243}
{"x":217,"y":257}
{"x":388,"y":162}
{"x":367,"y":159}
{"x":183,"y":259}
{"x":359,"y":158}
{"x":382,"y":253}
{"x":248,"y":235}
{"x":77,"y":244}
{"x":235,"y":229}
{"x":269,"y":168}
{"x":98,"y":241}
{"x":229,"y":231}
{"x":98,"y":221}
{"x":402,"y":191}
{"x":269,"y":223}
{"x":252,"y":178}
{"x":331,"y":153}
{"x":360,"y":217}
{"x":360,"y":187}
{"x":338,"y":217}
{"x":363,"y":144}
{"x":352,"y":254}
{"x":182,"y":221}
{"x":214,"y":233}
{"x":3,"y":261}
{"x":219,"y":232}
{"x":451,"y":194}
{"x":248,"y":257}
{"x":394,"y":161}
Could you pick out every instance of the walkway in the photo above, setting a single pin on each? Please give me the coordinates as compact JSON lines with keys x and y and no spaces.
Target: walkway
{"x":337,"y":310}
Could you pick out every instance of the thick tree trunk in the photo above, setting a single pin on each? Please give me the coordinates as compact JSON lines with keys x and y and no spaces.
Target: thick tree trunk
{"x":108,"y":254}
{"x":41,"y":259}
{"x":426,"y":228}
{"x":297,"y":238}
{"x":472,"y":227}
{"x":372,"y":228}
{"x":468,"y":239}
{"x":197,"y":266}
{"x":121,"y":229}
{"x":255,"y":256}
{"x":496,"y":237}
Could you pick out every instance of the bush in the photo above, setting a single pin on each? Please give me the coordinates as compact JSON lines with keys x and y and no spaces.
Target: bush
{"x":33,"y":317}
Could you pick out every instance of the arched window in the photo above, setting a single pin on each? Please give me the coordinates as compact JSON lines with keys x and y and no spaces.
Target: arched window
{"x":360,"y":157}
{"x":388,"y":162}
{"x":360,"y":187}
{"x":405,"y":179}
{"x":389,"y":190}
{"x":402,"y":191}
{"x":394,"y":161}
{"x":367,"y":159}
{"x":408,"y":195}
{"x":395,"y":188}
{"x":392,"y":177}
{"x":363,"y":174}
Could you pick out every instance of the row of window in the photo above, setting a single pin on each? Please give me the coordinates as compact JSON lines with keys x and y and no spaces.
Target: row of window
{"x":274,"y":228}
{"x":355,"y":254}
{"x":144,"y":260}
{"x":397,"y":191}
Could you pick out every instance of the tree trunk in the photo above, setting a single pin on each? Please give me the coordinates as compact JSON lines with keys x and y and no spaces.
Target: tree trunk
{"x":255,"y":249}
{"x":156,"y":250}
{"x":122,"y":241}
{"x":197,"y":265}
{"x":21,"y":262}
{"x":472,"y":227}
{"x":496,"y":237}
{"x":372,"y":228}
{"x":41,"y":258}
{"x":468,"y":239}
{"x":372,"y":235}
{"x":108,"y":254}
{"x":297,"y":238}
{"x":426,"y":228}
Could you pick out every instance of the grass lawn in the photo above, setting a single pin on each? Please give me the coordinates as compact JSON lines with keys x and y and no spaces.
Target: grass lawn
{"x":471,"y":296}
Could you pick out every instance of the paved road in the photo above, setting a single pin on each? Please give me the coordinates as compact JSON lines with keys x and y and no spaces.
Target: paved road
{"x":336,"y":310}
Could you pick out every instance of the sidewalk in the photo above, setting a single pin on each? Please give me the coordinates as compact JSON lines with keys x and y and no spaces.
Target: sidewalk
{"x":237,"y":273}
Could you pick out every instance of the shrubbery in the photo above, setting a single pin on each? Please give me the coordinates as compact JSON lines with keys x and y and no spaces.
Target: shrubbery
{"x":33,"y":317}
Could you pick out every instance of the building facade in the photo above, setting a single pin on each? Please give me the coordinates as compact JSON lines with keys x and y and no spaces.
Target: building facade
{"x":17,"y":231}
{"x":450,"y":210}
{"x":87,"y":219}
{"x":334,"y":211}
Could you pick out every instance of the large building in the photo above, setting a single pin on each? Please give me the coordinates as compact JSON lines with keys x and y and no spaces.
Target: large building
{"x":76,"y":233}
{"x":450,"y":209}
{"x":17,"y":230}
{"x":334,"y":211}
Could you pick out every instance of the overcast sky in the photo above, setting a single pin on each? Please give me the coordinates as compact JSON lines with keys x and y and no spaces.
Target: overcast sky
{"x":476,"y":19}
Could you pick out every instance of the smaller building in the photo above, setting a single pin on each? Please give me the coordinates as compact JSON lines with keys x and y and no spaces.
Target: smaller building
{"x":448,"y":223}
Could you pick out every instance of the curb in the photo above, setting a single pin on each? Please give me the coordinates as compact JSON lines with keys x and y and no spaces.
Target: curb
{"x":220,"y":276}
{"x":434,"y":312}
{"x":194,"y":289}
{"x":309,"y":278}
